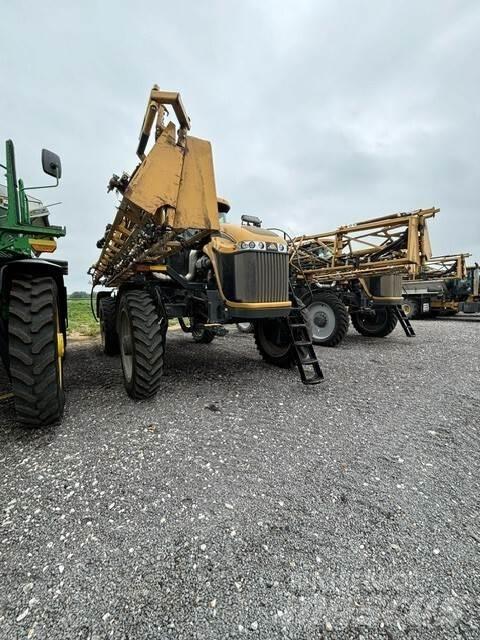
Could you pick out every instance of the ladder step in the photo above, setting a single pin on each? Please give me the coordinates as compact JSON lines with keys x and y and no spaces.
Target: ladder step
{"x":305,"y":355}
{"x":404,"y":321}
{"x":315,"y":380}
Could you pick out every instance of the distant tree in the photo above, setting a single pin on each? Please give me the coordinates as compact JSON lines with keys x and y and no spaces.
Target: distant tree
{"x":76,"y":295}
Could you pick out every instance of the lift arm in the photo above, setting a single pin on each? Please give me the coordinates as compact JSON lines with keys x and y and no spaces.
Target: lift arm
{"x":156,"y":111}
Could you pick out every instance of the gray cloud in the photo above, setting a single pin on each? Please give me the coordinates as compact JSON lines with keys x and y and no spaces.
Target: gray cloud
{"x":320,"y":114}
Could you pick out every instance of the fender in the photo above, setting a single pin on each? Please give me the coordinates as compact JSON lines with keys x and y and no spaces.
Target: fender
{"x":56,"y":269}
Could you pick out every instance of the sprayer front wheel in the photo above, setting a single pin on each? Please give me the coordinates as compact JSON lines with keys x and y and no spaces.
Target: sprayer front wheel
{"x":36,"y":350}
{"x":273,"y":341}
{"x":142,"y":344}
{"x":327,"y":318}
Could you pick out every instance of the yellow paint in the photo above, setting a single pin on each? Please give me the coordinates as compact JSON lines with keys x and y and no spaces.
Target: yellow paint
{"x":40,"y":245}
{"x":156,"y":181}
{"x":197,"y":206}
{"x":258,"y":305}
{"x":150,"y":267}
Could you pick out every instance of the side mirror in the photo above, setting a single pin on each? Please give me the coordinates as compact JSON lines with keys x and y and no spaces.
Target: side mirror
{"x":51,"y":164}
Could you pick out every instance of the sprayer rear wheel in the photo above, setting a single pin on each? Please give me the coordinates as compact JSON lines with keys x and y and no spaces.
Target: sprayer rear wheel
{"x":108,"y":326}
{"x":245,"y":327}
{"x":202,"y":335}
{"x":377,"y":325}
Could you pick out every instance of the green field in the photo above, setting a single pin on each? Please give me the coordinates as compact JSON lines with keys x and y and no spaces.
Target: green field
{"x":80,"y":319}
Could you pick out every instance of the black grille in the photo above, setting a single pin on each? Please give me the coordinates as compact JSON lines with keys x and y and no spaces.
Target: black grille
{"x":254,"y":276}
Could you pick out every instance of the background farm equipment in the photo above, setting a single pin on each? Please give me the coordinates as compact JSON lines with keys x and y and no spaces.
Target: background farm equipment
{"x":168,"y":255}
{"x":355,"y":272}
{"x":443,"y":286}
{"x":33,"y":301}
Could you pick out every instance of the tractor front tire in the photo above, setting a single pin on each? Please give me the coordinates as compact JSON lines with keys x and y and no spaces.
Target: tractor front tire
{"x":379,"y":325}
{"x":36,"y":350}
{"x":327,"y":316}
{"x":108,"y":326}
{"x":142,"y":344}
{"x":274,"y":342}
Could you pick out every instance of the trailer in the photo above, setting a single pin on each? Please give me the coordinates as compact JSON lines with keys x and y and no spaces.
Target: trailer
{"x":443,"y":286}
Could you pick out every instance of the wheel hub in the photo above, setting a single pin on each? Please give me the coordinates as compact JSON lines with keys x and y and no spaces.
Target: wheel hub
{"x":320,"y":319}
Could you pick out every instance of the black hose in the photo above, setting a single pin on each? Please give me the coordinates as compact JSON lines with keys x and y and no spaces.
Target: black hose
{"x":91,"y":304}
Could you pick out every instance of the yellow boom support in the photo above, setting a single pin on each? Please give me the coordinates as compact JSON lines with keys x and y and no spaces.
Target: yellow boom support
{"x":168,"y":203}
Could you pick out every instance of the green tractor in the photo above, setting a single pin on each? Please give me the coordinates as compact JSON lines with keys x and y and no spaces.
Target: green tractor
{"x":33,"y":298}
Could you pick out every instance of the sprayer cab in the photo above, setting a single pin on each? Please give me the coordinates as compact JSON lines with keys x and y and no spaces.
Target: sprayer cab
{"x":24,"y":220}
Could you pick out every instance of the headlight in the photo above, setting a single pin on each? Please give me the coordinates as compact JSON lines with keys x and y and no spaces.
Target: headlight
{"x":252,"y":244}
{"x":261,"y":245}
{"x":244,"y":245}
{"x":281,"y":247}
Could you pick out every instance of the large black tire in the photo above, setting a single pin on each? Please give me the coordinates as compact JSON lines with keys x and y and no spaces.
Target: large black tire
{"x":107,"y":313}
{"x":410,"y":308}
{"x":377,"y":326}
{"x":36,"y":350}
{"x":327,"y":317}
{"x":273,"y":341}
{"x":142,"y":344}
{"x":202,"y":335}
{"x":245,"y":327}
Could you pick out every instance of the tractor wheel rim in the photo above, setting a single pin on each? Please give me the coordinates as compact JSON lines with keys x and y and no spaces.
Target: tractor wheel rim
{"x":60,"y":351}
{"x":126,"y":346}
{"x":321,"y":320}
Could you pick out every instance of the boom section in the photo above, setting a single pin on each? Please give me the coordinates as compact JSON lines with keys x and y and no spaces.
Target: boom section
{"x":396,"y":243}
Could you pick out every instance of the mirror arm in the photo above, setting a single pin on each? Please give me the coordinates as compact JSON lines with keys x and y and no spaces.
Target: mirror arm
{"x":45,"y":186}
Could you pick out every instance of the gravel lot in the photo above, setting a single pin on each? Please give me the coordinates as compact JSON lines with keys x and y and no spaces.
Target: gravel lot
{"x":239,"y":503}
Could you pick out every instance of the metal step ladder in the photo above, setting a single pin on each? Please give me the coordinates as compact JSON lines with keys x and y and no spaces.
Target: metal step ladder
{"x":304,"y":353}
{"x":404,"y":321}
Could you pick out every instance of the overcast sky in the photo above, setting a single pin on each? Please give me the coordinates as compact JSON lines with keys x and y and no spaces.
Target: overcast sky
{"x":320,"y":113}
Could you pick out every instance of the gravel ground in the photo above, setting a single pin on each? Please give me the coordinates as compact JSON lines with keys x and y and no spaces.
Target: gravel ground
{"x":239,"y":503}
